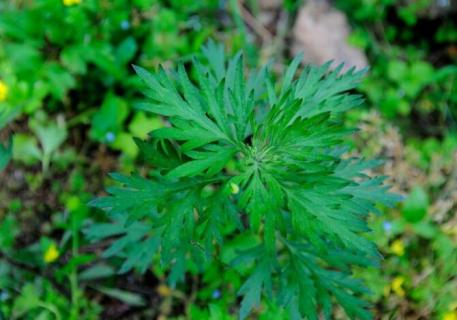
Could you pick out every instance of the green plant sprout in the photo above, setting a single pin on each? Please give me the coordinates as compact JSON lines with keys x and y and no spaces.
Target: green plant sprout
{"x":243,"y":154}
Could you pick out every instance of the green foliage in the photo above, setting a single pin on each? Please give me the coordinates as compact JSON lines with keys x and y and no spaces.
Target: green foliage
{"x":5,"y":155}
{"x":39,"y":300}
{"x":67,"y":97}
{"x":416,"y":205}
{"x":406,"y":78}
{"x":5,"y":150}
{"x":288,"y":183}
{"x":75,"y":58}
{"x":50,"y":136}
{"x":396,"y":83}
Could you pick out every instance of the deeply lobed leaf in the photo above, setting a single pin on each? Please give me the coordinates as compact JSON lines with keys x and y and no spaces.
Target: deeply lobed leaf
{"x":241,"y":155}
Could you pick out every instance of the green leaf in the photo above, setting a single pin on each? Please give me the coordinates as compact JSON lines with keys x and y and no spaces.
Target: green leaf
{"x":416,"y":205}
{"x":73,"y":58}
{"x":210,"y":162}
{"x":168,"y":101}
{"x":126,"y":50}
{"x":127,"y":297}
{"x":252,"y":288}
{"x":50,"y":136}
{"x":5,"y":154}
{"x":60,"y":79}
{"x":141,"y":125}
{"x":8,"y":115}
{"x":107,"y":122}
{"x":98,"y":271}
{"x":25,"y":149}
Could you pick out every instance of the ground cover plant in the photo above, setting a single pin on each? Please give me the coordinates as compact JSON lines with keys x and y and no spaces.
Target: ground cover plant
{"x":287,"y":183}
{"x":57,"y":55}
{"x":70,"y":114}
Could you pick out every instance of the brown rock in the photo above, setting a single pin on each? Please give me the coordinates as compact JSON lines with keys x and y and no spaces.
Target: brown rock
{"x":321,"y":33}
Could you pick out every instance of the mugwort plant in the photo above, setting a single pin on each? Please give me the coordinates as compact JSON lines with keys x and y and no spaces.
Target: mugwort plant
{"x":244,"y":153}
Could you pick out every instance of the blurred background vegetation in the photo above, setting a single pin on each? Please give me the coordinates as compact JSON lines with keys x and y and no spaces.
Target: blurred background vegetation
{"x":66,"y":119}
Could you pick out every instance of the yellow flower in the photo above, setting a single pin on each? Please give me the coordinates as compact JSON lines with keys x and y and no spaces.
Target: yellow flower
{"x":452,"y":315}
{"x":163,"y":290}
{"x":71,"y":2}
{"x":3,"y":91}
{"x":398,"y":247}
{"x":51,"y":254}
{"x":234,"y":188}
{"x":397,"y":286}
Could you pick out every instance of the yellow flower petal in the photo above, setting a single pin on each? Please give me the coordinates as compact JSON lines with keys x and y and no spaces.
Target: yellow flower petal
{"x":397,"y":286}
{"x":163,"y":290}
{"x":3,"y":91}
{"x":234,"y":188}
{"x":397,"y":247}
{"x":71,"y":2}
{"x":450,"y":316}
{"x":51,"y":254}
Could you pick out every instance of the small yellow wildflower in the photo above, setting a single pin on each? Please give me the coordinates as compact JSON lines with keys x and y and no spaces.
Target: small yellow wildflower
{"x":451,"y":230}
{"x":163,"y":290}
{"x":51,"y":254}
{"x":397,"y":286}
{"x":234,"y":188}
{"x":71,"y":2}
{"x":452,"y":315}
{"x":398,"y":247}
{"x":3,"y":91}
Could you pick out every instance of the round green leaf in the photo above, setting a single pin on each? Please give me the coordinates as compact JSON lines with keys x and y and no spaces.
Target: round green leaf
{"x":416,"y":205}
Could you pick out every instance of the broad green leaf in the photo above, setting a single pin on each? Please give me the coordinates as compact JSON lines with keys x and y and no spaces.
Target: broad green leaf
{"x":126,"y":50}
{"x":107,"y":122}
{"x":25,"y":149}
{"x":50,"y":136}
{"x":416,"y":205}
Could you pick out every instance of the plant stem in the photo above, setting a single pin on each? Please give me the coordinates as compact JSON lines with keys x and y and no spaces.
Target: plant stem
{"x":74,"y":315}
